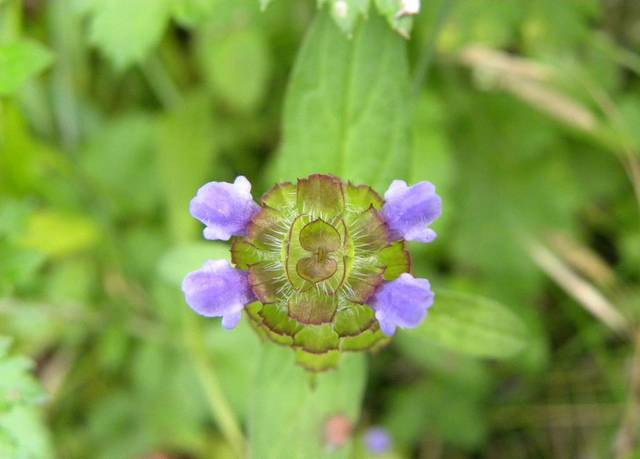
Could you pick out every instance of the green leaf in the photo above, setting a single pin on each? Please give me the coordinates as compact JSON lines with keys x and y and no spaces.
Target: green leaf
{"x":431,"y":155}
{"x":23,"y":435}
{"x":58,"y":234}
{"x":289,"y":415}
{"x":19,"y":266}
{"x":185,"y":149}
{"x":236,"y":65}
{"x":473,"y":325}
{"x":20,"y":61}
{"x":17,"y":386}
{"x":234,"y":356}
{"x":192,"y":12}
{"x":348,"y":13}
{"x":119,"y":161}
{"x":391,"y":10}
{"x":345,"y":110}
{"x":22,"y":432}
{"x":436,"y":407}
{"x":125,"y":30}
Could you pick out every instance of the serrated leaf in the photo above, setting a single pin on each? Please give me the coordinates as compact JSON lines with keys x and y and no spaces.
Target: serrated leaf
{"x":20,"y":61}
{"x":473,"y":325}
{"x":289,"y":415}
{"x":125,"y":31}
{"x":345,"y":111}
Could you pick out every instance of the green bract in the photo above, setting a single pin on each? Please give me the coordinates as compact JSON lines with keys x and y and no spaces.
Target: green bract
{"x":315,"y":254}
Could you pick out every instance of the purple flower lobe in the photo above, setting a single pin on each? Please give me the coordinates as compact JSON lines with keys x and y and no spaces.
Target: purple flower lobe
{"x":218,"y":290}
{"x":409,"y":210}
{"x":402,"y":303}
{"x":226,"y":208}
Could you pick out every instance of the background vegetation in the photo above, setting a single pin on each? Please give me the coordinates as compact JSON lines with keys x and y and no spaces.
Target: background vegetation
{"x":525,"y":114}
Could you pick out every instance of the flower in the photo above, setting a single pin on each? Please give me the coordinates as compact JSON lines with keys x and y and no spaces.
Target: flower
{"x":320,"y":266}
{"x":409,"y":210}
{"x":226,"y":208}
{"x":218,"y":290}
{"x":402,"y":303}
{"x":377,"y":440}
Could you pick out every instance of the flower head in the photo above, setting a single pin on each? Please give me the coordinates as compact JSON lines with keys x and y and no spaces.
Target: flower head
{"x":326,"y":261}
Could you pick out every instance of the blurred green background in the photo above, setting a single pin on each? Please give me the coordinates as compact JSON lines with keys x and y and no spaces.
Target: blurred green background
{"x":525,"y":114}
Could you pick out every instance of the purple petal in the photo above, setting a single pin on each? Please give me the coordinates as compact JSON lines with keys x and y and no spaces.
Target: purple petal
{"x":409,"y":210}
{"x":231,"y":320}
{"x":218,"y":290}
{"x":377,"y":440}
{"x":402,"y":303}
{"x":226,"y":208}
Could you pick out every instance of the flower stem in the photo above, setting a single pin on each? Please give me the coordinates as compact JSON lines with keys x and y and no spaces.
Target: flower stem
{"x":220,"y":408}
{"x":160,"y":82}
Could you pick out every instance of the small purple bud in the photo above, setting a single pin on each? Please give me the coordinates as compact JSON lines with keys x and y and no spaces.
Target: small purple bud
{"x":377,"y":440}
{"x":402,"y":303}
{"x":226,"y":208}
{"x":409,"y":210}
{"x":218,"y":290}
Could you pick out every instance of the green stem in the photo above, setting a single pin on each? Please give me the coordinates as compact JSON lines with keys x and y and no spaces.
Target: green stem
{"x":220,"y":408}
{"x":10,"y":20}
{"x":160,"y":82}
{"x":426,"y":57}
{"x":66,"y":41}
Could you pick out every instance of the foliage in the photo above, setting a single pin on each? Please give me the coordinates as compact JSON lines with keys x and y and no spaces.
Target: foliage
{"x":524,"y":115}
{"x":347,"y":14}
{"x":347,"y":96}
{"x":287,"y":419}
{"x":22,"y":433}
{"x":19,"y":61}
